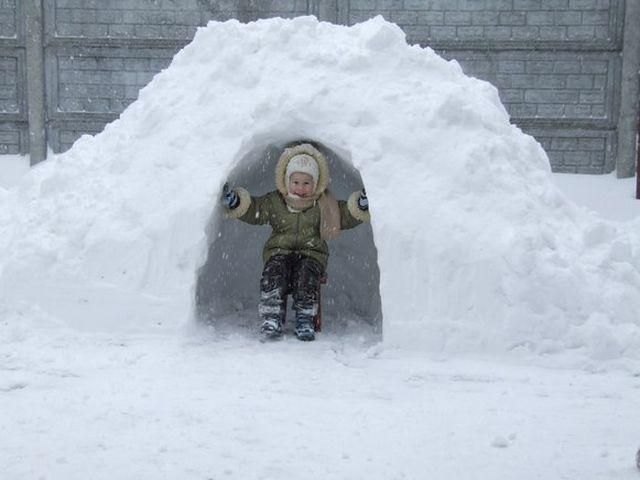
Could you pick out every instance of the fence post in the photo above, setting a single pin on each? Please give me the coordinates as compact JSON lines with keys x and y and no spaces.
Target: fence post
{"x":324,"y":10}
{"x":629,"y":92}
{"x":35,"y":80}
{"x":638,"y":154}
{"x":342,"y":12}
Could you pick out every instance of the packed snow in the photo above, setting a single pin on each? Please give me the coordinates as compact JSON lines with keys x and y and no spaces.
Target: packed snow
{"x":483,"y":325}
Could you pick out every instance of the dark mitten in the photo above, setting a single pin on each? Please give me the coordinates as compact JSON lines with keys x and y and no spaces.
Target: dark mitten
{"x":363,"y":201}
{"x":230,"y":198}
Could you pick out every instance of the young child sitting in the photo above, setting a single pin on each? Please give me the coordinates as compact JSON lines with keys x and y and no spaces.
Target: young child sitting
{"x":303,"y":215}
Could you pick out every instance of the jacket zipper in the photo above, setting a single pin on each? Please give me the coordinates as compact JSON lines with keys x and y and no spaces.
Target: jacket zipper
{"x":297,"y":231}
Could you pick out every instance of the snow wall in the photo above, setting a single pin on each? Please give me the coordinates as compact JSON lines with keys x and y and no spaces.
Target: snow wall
{"x":476,"y":249}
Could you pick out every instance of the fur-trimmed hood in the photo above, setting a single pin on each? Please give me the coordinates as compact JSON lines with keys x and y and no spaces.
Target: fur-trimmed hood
{"x":308,"y":149}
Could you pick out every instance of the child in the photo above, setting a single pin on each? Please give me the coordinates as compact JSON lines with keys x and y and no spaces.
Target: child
{"x":303,"y":215}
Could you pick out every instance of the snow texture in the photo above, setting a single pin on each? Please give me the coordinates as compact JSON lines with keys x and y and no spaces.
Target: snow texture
{"x":471,"y":247}
{"x":78,"y":405}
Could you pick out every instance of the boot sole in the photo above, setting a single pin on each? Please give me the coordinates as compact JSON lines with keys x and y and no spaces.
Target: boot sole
{"x":306,"y":337}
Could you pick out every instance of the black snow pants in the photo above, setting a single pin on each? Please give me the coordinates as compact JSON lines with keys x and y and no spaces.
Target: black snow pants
{"x":295,"y":274}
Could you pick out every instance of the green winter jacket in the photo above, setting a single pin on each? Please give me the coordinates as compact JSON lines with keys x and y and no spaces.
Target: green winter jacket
{"x":293,"y":232}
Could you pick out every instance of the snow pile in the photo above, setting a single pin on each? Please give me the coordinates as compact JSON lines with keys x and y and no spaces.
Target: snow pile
{"x":477,"y":250}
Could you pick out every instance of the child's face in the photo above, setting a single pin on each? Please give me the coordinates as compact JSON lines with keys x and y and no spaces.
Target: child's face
{"x":301,"y":184}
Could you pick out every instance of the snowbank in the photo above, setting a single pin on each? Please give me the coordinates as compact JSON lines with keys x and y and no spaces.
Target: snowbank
{"x":477,"y":251}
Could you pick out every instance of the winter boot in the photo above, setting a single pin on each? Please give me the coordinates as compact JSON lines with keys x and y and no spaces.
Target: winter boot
{"x":305,"y":297}
{"x":271,"y":328}
{"x":273,"y":287}
{"x":305,"y":331}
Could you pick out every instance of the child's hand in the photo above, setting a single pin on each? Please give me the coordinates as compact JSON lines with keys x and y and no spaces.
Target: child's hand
{"x":363,"y":201}
{"x":230,"y":198}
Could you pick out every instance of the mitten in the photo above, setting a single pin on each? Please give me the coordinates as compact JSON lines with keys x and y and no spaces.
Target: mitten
{"x":363,"y":202}
{"x":230,"y":198}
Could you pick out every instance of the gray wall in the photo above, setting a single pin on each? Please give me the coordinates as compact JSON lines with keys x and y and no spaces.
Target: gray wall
{"x":556,"y":63}
{"x":13,"y":106}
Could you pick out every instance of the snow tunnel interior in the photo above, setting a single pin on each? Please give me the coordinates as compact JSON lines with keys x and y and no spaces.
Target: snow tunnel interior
{"x":227,"y":286}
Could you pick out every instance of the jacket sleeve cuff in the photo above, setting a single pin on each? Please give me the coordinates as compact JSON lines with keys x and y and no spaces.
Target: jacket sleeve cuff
{"x":243,"y":207}
{"x":354,"y":210}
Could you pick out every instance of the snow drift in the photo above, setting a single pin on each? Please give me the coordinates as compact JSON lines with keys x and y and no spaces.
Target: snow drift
{"x":476,"y":249}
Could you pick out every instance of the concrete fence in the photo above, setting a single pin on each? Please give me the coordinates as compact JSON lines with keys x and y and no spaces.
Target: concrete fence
{"x":68,"y":67}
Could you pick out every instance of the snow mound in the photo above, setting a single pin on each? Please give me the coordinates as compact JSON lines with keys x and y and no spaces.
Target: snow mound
{"x":477,"y":250}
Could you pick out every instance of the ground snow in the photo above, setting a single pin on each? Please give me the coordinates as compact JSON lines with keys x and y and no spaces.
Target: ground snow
{"x":12,"y":169}
{"x":484,"y":265}
{"x":198,"y":407}
{"x":607,"y":196}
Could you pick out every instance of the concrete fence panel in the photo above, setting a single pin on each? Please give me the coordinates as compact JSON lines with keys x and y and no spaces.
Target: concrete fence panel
{"x":556,"y":63}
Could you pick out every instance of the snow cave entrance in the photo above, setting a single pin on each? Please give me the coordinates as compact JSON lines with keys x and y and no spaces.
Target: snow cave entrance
{"x":227,"y":287}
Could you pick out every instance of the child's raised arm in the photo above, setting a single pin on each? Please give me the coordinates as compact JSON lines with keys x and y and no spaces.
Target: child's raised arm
{"x":241,"y":205}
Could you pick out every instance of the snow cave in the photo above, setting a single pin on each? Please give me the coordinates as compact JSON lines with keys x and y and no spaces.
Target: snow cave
{"x":471,"y":247}
{"x":227,"y":284}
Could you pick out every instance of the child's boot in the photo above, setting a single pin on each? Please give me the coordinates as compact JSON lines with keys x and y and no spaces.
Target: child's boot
{"x":271,"y":328}
{"x":271,"y":309}
{"x":306,"y":311}
{"x":305,"y":330}
{"x":273,"y":286}
{"x":305,"y":297}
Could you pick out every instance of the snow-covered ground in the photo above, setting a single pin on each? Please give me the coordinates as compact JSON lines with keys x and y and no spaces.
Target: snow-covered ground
{"x":511,"y":339}
{"x":77,"y":406}
{"x":609,"y":197}
{"x":12,"y":168}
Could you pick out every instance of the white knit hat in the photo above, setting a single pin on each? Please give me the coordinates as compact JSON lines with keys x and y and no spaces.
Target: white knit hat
{"x":305,"y":164}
